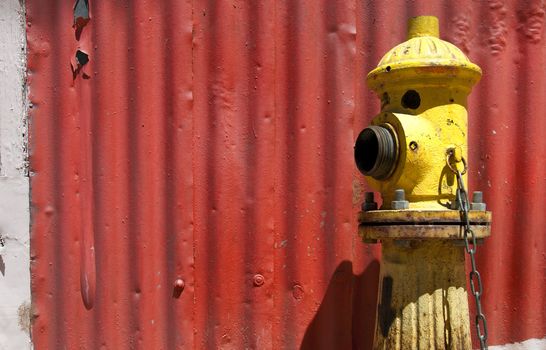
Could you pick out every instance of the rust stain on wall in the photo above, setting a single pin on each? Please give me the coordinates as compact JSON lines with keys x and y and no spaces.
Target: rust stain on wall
{"x":25,"y":317}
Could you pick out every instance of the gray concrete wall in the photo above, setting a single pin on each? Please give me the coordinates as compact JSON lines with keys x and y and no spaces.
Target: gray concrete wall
{"x":14,"y":184}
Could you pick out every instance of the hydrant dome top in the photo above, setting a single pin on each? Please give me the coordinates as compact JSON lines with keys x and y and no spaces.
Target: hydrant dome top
{"x":424,"y":58}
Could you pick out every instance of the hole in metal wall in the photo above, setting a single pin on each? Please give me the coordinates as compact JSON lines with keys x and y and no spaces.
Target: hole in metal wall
{"x":82,"y":58}
{"x":81,"y":16}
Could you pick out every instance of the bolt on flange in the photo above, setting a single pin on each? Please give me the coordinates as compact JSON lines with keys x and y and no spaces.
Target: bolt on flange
{"x":369,"y":202}
{"x":477,"y":201}
{"x":399,"y":201}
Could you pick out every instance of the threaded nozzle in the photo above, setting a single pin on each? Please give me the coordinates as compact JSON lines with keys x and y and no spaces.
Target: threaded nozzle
{"x":376,"y":152}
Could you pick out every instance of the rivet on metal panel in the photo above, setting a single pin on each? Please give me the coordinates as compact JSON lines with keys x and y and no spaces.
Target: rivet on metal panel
{"x":297,"y":292}
{"x":178,"y":287}
{"x":49,"y":210}
{"x":259,"y":280}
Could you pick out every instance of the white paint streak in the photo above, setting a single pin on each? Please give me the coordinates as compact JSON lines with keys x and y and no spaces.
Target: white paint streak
{"x":14,"y":184}
{"x":531,"y":344}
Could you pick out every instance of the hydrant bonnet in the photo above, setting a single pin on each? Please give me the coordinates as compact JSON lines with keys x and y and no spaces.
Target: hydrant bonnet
{"x":424,"y":60}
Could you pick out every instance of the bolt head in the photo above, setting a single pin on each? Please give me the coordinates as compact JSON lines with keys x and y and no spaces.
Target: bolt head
{"x":369,"y":206}
{"x":477,"y":206}
{"x":399,"y":205}
{"x":477,"y":201}
{"x":399,"y":195}
{"x":179,"y":284}
{"x":178,"y":287}
{"x":477,"y":197}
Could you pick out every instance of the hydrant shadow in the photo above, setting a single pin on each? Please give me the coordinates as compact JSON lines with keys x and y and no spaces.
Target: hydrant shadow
{"x":346,"y":316}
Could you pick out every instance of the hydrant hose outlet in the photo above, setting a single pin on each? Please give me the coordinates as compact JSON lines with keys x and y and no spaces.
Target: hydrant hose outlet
{"x":376,"y":152}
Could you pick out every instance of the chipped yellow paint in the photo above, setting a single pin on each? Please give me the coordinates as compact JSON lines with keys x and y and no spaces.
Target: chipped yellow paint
{"x":423,"y":300}
{"x":424,"y":60}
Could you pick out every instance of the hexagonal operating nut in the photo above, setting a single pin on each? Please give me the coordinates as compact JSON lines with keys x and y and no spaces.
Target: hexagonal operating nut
{"x":477,"y":206}
{"x":398,"y":205}
{"x":369,"y":206}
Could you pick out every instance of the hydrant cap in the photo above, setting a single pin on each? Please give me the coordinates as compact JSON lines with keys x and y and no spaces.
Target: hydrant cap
{"x":424,"y":60}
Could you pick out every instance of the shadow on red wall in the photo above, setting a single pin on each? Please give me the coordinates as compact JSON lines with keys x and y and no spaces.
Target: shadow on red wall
{"x":346,"y":316}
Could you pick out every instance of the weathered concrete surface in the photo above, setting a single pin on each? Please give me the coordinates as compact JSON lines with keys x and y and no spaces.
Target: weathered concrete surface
{"x":530,"y":344}
{"x":14,"y":185}
{"x":12,"y":96}
{"x":14,"y":264}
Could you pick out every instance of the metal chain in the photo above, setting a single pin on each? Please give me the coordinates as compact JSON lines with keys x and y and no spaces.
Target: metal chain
{"x":464,"y":207}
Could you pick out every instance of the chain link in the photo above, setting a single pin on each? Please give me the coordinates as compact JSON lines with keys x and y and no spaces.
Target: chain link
{"x":470,"y":243}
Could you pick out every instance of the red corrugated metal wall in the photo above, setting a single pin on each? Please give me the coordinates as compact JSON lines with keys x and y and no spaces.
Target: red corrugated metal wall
{"x":209,"y":143}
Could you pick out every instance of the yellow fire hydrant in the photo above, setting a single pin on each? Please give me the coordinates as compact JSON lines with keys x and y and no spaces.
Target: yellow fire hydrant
{"x":414,"y":153}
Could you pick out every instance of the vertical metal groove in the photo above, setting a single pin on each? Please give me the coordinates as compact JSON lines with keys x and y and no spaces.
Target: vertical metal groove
{"x":133,"y":235}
